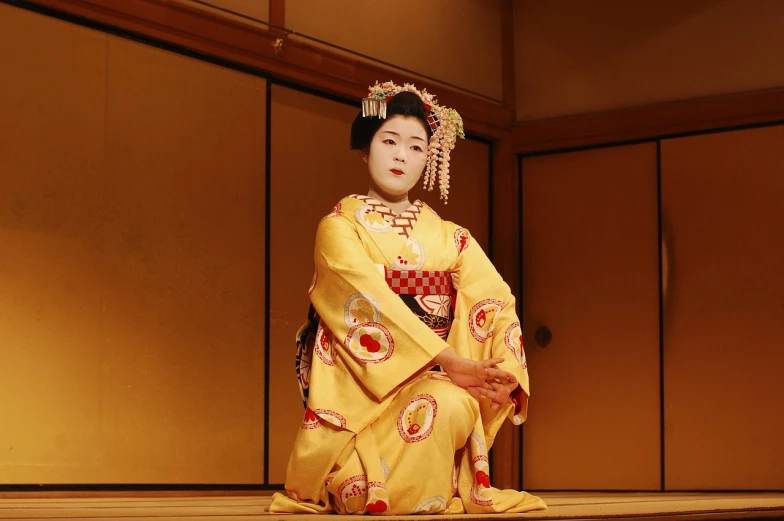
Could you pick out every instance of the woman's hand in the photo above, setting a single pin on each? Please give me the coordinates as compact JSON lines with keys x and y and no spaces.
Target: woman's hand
{"x":479,"y":378}
{"x":503,"y":390}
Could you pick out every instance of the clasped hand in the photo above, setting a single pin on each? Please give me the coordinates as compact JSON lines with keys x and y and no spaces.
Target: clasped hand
{"x":479,"y":378}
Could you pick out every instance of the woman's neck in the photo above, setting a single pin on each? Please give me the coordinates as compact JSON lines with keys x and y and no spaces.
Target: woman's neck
{"x":396,"y":204}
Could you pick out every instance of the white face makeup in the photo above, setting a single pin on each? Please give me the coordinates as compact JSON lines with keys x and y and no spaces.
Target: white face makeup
{"x":397,"y":158}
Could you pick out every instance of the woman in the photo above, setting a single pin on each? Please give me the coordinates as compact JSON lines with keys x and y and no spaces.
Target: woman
{"x":412,"y":357}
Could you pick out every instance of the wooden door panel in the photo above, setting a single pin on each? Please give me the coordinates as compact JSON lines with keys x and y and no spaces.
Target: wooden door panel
{"x":590,"y":274}
{"x":723,"y":209}
{"x":131,"y":262}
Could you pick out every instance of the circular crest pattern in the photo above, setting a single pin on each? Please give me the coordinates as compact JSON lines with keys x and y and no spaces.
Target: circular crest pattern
{"x":332,"y":417}
{"x":370,"y":342}
{"x":431,"y":505}
{"x":480,"y":491}
{"x":411,"y":257}
{"x":482,"y":318}
{"x":325,"y":345}
{"x":336,"y":210}
{"x":416,"y":419}
{"x":310,"y":421}
{"x":513,"y":338}
{"x":377,"y":501}
{"x":478,"y":444}
{"x":361,"y":309}
{"x":371,"y":219}
{"x":352,"y":493}
{"x":462,"y":239}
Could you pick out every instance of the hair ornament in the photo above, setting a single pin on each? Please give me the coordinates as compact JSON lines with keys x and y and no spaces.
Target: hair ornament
{"x":446,"y":124}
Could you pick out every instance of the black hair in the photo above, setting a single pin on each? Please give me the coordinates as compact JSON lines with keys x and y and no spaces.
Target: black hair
{"x":401,"y":104}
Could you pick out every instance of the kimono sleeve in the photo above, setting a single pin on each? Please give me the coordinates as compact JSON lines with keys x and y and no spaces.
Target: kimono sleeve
{"x":486,"y":321}
{"x":388,"y":344}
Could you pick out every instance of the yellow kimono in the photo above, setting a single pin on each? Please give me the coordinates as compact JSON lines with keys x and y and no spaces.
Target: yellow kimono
{"x":384,"y":432}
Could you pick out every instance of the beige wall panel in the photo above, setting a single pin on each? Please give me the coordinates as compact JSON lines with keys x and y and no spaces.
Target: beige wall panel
{"x":256,"y":9}
{"x":51,"y":175}
{"x":469,"y":178}
{"x":131,"y":257}
{"x":590,"y":274}
{"x":455,"y":41}
{"x":184,"y":311}
{"x":722,"y":200}
{"x":577,"y":57}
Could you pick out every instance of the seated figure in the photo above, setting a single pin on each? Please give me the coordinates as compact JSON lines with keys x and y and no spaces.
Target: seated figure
{"x":412,"y":356}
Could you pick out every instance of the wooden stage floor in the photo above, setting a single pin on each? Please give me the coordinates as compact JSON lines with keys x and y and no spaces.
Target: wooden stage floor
{"x":562,"y":506}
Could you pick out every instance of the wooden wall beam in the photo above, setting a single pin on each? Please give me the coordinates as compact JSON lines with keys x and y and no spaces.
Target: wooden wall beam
{"x":650,"y":121}
{"x":347,"y":76}
{"x":253,"y":46}
{"x":277,"y":15}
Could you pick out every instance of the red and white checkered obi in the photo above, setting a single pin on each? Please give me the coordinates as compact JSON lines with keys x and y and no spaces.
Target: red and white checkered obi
{"x":428,"y":294}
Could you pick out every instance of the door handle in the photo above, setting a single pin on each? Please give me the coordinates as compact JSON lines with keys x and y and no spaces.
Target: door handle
{"x":543,"y":336}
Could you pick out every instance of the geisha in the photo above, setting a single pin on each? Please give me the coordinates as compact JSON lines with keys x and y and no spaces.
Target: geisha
{"x":412,"y":357}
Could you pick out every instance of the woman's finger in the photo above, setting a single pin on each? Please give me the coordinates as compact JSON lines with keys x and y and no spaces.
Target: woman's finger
{"x":498,"y":374}
{"x":483,"y":389}
{"x":476,"y":392}
{"x":497,"y":386}
{"x":490,"y":394}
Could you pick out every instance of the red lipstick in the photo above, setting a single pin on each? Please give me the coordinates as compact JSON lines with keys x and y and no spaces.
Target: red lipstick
{"x":396,"y":172}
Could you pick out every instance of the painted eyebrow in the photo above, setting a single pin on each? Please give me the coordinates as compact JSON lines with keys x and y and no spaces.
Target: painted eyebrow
{"x":398,"y":135}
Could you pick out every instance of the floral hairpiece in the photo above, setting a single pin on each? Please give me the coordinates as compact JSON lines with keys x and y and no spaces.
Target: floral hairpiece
{"x":446,"y":124}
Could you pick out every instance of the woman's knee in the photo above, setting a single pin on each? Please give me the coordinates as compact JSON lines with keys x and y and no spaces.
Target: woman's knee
{"x":438,"y":402}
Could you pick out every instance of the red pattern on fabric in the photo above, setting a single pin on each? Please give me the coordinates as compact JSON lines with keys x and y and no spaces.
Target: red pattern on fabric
{"x":368,"y":343}
{"x":417,"y":418}
{"x":325,"y":344}
{"x":481,"y":318}
{"x":403,"y":223}
{"x":462,"y":240}
{"x":332,"y":417}
{"x":410,"y":282}
{"x":353,"y":487}
{"x":377,"y":507}
{"x":481,"y":481}
{"x":310,"y":421}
